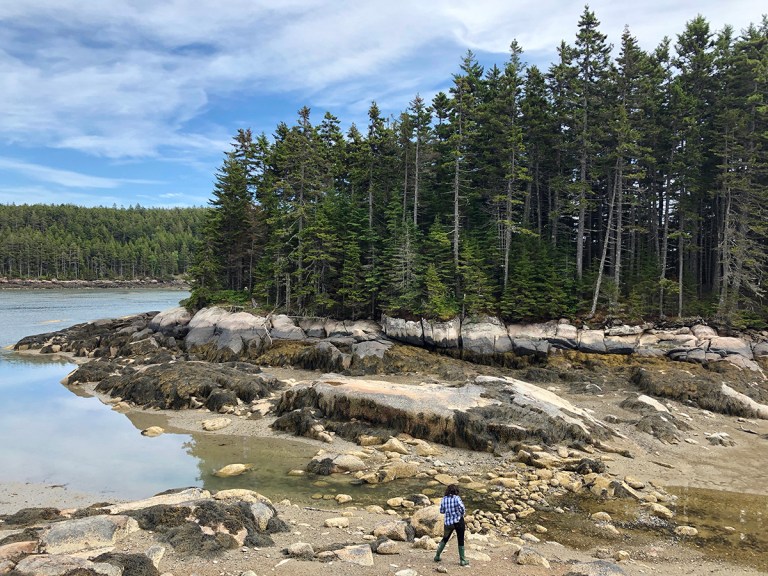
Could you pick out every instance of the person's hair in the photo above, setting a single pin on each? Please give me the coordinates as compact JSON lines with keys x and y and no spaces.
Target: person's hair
{"x":452,"y":490}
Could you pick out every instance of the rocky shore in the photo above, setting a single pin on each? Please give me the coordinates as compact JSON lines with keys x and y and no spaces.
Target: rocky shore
{"x":526,"y":445}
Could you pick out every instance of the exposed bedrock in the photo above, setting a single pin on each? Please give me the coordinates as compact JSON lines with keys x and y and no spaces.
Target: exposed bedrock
{"x":481,"y":415}
{"x":180,"y":385}
{"x":706,"y":391}
{"x":486,"y":336}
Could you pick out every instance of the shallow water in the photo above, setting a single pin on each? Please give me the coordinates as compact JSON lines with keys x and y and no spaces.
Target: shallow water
{"x":732,"y":526}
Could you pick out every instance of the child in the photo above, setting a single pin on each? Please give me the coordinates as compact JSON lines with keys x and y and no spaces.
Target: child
{"x":453,"y":508}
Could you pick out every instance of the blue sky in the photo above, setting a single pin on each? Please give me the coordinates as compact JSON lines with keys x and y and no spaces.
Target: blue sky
{"x":135,"y":101}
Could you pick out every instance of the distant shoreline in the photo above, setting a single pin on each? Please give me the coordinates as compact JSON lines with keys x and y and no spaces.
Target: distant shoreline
{"x":22,"y":283}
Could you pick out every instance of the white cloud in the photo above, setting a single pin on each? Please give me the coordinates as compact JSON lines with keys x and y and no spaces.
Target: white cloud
{"x":66,"y":178}
{"x":128,"y":79}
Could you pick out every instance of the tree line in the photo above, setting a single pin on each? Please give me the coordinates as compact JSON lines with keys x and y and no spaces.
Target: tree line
{"x":632,"y":185}
{"x":71,"y":242}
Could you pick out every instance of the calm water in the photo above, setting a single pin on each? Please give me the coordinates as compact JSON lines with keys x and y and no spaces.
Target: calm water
{"x":50,"y":434}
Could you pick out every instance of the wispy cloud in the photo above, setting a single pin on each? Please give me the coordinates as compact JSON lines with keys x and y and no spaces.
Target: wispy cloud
{"x":138,"y":78}
{"x":66,"y":178}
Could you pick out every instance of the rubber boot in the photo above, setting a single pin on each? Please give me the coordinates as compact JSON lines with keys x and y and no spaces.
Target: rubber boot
{"x":462,"y":561}
{"x":439,"y":551}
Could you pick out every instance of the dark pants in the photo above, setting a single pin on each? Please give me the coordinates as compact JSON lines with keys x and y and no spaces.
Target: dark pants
{"x":459,"y":527}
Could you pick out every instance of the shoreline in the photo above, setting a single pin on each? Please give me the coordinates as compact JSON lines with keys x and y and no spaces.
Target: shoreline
{"x":23,"y":284}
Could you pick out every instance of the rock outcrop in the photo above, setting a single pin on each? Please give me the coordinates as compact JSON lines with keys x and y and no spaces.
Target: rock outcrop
{"x":481,"y":415}
{"x":489,"y":337}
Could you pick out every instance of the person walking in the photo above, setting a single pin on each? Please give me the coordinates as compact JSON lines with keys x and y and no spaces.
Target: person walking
{"x":453,"y":509}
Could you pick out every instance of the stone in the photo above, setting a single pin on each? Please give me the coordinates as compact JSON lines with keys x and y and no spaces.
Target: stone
{"x":394,"y":445}
{"x":17,"y":550}
{"x":423,"y":448}
{"x":634,"y":483}
{"x":365,"y":440}
{"x":477,"y":556}
{"x":528,"y":557}
{"x":425,"y":543}
{"x":152,"y":431}
{"x":597,"y":568}
{"x":621,"y":556}
{"x":660,"y":511}
{"x":601,"y":517}
{"x":388,"y":547}
{"x":170,"y":499}
{"x":300,"y":550}
{"x":408,"y":331}
{"x":399,"y":470}
{"x":340,"y":522}
{"x":428,"y":521}
{"x":725,"y":345}
{"x":592,"y":341}
{"x":407,"y":572}
{"x":720,"y":439}
{"x":214,"y":424}
{"x":686,"y":531}
{"x":171,"y":321}
{"x":485,"y":335}
{"x":394,"y":530}
{"x":442,"y":334}
{"x":242,"y":494}
{"x":395,"y":502}
{"x":284,"y":328}
{"x":95,"y":532}
{"x":360,"y":555}
{"x":262,"y":513}
{"x":232,"y":470}
{"x":343,"y":498}
{"x":155,"y":554}
{"x":349,"y":463}
{"x":59,"y":565}
{"x":446,"y":479}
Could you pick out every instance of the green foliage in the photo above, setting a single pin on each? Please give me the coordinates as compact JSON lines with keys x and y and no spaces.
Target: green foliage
{"x":516,"y":191}
{"x":75,"y":243}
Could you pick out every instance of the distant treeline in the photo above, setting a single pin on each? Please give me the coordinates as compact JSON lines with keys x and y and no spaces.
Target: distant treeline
{"x":71,"y":242}
{"x":628,"y":182}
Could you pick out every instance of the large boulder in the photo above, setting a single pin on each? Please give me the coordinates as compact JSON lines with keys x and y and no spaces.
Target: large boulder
{"x":442,"y":334}
{"x":83,"y":534}
{"x":284,"y":328}
{"x":171,"y":322}
{"x":60,"y":565}
{"x":485,"y":336}
{"x":725,"y":346}
{"x":428,"y":521}
{"x":408,"y":331}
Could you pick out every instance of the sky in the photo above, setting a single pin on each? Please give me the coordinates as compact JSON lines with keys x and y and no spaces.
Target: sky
{"x":127,"y":102}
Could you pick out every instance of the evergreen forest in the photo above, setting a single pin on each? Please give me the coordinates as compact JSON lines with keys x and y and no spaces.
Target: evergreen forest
{"x":619,"y":183}
{"x":74,"y":243}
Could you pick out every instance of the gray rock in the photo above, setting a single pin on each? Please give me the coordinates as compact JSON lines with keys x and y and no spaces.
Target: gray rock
{"x":86,"y":533}
{"x":597,"y":568}
{"x":592,"y":341}
{"x":442,"y":334}
{"x":760,"y":350}
{"x":428,"y":521}
{"x":394,"y":530}
{"x":284,"y":328}
{"x":528,"y":557}
{"x":300,"y":550}
{"x":725,"y":346}
{"x":481,"y":335}
{"x":621,"y":344}
{"x":313,"y":327}
{"x":703,"y":332}
{"x":59,"y":565}
{"x":171,"y":322}
{"x":566,"y":337}
{"x":387,"y":547}
{"x":263,"y":513}
{"x":155,"y":554}
{"x":371,"y":348}
{"x":408,"y":331}
{"x":360,"y":555}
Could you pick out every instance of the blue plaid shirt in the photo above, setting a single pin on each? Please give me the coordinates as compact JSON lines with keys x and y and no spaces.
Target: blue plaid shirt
{"x":453,"y":508}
